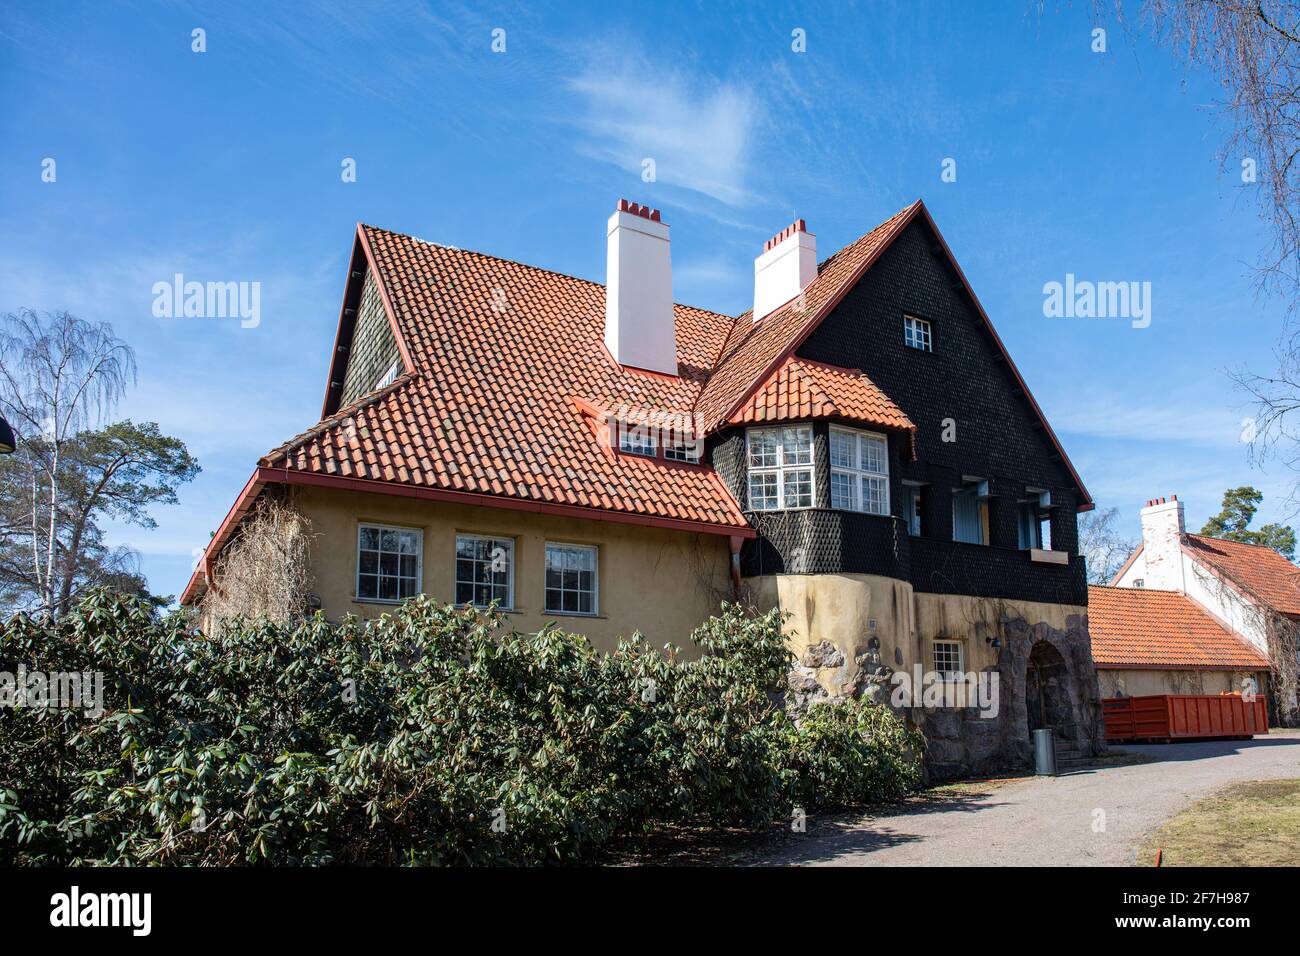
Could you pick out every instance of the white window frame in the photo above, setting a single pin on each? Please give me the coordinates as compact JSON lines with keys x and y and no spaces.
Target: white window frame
{"x":917,"y":334}
{"x":782,"y":466}
{"x":634,"y":439}
{"x":948,"y":674}
{"x":389,"y":377}
{"x":591,"y":549}
{"x":912,"y":508}
{"x":862,"y":475}
{"x":682,"y":449}
{"x":509,"y":604}
{"x":378,"y":575}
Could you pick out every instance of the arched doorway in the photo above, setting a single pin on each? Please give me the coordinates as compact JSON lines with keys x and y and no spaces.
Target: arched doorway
{"x":1047,"y":691}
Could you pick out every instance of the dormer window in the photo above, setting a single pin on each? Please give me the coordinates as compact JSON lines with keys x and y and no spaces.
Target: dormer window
{"x":780,"y":468}
{"x":634,"y":439}
{"x":681,"y":449}
{"x":916,"y":333}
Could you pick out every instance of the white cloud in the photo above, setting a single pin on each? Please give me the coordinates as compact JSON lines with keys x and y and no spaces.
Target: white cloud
{"x":1147,"y":417}
{"x":700,"y":133}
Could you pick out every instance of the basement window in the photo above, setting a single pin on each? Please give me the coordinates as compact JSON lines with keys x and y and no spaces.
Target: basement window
{"x":916,"y":333}
{"x":948,"y":662}
{"x":780,"y":468}
{"x":388,"y":563}
{"x":859,"y":471}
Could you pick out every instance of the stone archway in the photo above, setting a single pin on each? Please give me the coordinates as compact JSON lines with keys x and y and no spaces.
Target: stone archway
{"x":1049,"y":691}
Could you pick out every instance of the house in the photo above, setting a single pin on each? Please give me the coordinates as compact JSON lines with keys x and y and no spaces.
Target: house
{"x":1248,"y":590}
{"x":858,"y":450}
{"x":1147,"y":641}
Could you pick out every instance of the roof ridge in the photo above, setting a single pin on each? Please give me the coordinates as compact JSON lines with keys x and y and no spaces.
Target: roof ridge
{"x":528,"y":265}
{"x":1116,"y":587}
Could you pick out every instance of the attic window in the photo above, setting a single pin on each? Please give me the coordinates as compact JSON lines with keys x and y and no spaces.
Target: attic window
{"x":916,"y":333}
{"x":389,"y":377}
{"x":637,"y":439}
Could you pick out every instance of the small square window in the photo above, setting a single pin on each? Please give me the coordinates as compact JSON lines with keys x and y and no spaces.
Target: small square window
{"x":916,"y":333}
{"x":948,"y":659}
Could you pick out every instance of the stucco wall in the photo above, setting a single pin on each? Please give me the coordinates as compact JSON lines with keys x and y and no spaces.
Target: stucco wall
{"x":1140,"y":683}
{"x":849,"y":609}
{"x":662,"y":582}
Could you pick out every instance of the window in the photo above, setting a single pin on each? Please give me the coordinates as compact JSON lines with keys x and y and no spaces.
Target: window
{"x":390,"y":376}
{"x":970,"y":513}
{"x":388,"y":563}
{"x":682,"y":449}
{"x":485,"y":571}
{"x":1139,"y":582}
{"x":947,"y":660}
{"x":916,"y":333}
{"x":859,"y":471}
{"x":571,"y":579}
{"x":780,"y":468}
{"x":636,"y":439}
{"x":912,"y":509}
{"x":1033,"y":518}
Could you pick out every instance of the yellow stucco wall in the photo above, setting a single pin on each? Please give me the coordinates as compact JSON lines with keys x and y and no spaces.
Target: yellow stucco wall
{"x":664,"y":583}
{"x":1140,"y":683}
{"x":849,"y":609}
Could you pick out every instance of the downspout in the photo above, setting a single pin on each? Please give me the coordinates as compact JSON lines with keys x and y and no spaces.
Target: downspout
{"x":736,"y":541}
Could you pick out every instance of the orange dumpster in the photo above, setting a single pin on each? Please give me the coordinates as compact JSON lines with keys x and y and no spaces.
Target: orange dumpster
{"x":1171,"y":717}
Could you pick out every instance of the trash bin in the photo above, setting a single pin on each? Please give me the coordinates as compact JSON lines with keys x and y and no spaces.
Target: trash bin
{"x":1045,"y":752}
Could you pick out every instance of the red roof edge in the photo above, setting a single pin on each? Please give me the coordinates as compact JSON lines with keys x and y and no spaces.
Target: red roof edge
{"x":370,"y":485}
{"x":199,"y":579}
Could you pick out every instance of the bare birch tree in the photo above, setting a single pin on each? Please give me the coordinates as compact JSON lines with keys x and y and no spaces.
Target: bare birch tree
{"x":59,"y":375}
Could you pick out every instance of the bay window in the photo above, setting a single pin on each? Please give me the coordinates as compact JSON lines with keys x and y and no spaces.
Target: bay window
{"x":859,"y":471}
{"x":780,"y":468}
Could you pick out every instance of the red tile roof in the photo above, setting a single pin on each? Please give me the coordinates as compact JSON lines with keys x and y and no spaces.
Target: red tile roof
{"x":801,"y":389}
{"x":500,"y":349}
{"x":1145,"y":628}
{"x":753,"y":348}
{"x":1260,"y":571}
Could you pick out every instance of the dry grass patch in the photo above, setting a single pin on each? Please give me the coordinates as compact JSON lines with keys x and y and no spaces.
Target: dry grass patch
{"x":1256,"y":823}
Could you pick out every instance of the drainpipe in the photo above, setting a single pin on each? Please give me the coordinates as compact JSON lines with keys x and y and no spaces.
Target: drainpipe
{"x":736,"y":542}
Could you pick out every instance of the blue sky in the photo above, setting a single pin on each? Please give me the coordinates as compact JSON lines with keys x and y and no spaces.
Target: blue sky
{"x":225,"y":166}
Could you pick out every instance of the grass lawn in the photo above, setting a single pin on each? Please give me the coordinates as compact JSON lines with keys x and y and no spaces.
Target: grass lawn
{"x":1249,"y":824}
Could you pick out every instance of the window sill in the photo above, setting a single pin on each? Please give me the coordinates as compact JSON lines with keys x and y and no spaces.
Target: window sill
{"x":1040,"y":556}
{"x":597,"y":616}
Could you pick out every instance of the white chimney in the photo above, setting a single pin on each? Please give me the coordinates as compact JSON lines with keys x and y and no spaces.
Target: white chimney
{"x":1162,"y":544}
{"x":787,"y":265}
{"x":639,"y":326}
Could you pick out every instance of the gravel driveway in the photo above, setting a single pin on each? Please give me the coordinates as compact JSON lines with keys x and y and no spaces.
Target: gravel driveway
{"x":1047,"y":821}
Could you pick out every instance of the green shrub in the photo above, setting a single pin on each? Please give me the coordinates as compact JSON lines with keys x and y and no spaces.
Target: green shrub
{"x":851,"y":752}
{"x":432,"y":735}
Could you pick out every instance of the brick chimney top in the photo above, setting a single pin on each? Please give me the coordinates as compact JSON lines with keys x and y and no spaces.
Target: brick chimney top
{"x":636,"y":209}
{"x":797,"y":226}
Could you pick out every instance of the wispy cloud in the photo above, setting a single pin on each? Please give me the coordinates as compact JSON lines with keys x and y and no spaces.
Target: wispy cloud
{"x":1141,"y":416}
{"x":698,"y":131}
